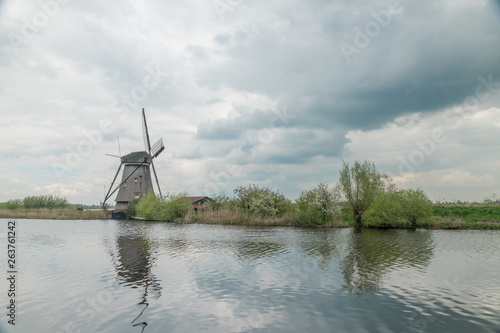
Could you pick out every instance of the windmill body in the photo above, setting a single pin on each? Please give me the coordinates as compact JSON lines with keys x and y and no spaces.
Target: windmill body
{"x":136,"y":179}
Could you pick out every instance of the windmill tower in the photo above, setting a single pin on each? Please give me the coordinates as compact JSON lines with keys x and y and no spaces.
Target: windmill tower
{"x":136,"y":179}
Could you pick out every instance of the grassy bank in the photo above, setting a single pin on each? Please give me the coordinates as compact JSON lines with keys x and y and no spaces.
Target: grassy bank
{"x":231,"y":217}
{"x":445,"y":217}
{"x":55,"y":214}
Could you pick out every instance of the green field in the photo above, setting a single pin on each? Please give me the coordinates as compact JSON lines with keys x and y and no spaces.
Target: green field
{"x":469,"y":213}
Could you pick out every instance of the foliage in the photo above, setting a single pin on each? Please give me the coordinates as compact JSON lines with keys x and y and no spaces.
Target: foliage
{"x":361,"y":184}
{"x":131,"y":210}
{"x":317,"y":205}
{"x":385,"y":211}
{"x":12,"y":204}
{"x":415,"y":205}
{"x":220,"y":201}
{"x":167,"y":208}
{"x":36,"y":202}
{"x":398,"y":209}
{"x":261,"y":201}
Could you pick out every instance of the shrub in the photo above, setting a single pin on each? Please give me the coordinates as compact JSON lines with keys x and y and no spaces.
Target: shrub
{"x":45,"y":201}
{"x":131,"y":208}
{"x":385,"y":211}
{"x":317,"y":205}
{"x":261,"y":201}
{"x":12,"y":204}
{"x":168,"y":208}
{"x":415,"y":205}
{"x":398,"y":209}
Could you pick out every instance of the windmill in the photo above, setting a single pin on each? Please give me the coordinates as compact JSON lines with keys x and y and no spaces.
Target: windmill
{"x":136,"y":179}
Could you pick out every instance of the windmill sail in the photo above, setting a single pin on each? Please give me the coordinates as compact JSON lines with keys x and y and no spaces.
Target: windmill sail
{"x":157,"y":148}
{"x":145,"y":133}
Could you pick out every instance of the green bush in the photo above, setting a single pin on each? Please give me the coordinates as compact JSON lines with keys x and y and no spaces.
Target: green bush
{"x":131,"y":210}
{"x":398,"y":209}
{"x":385,"y":211}
{"x":261,"y":201}
{"x":168,"y":208}
{"x":12,"y":204}
{"x":45,"y":201}
{"x":318,"y":205}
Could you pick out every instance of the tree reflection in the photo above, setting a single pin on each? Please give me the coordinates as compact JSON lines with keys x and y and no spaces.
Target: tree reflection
{"x":373,"y":253}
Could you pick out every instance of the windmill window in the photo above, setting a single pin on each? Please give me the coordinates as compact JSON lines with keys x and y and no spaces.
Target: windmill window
{"x":136,"y":180}
{"x":125,"y":184}
{"x":136,"y":195}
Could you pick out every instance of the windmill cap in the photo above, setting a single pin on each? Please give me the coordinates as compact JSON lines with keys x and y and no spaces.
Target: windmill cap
{"x":136,"y":157}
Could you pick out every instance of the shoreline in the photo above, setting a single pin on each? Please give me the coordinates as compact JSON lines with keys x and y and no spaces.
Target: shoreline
{"x":433,"y":223}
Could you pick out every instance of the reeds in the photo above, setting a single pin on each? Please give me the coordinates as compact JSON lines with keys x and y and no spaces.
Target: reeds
{"x":55,"y":214}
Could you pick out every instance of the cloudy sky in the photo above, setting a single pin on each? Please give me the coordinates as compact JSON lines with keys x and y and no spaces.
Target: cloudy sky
{"x":275,"y":93}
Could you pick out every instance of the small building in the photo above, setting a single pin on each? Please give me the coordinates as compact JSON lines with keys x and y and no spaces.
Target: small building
{"x":198,"y":202}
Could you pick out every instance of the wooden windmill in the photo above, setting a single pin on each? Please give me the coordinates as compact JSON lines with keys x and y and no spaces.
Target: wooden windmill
{"x":136,"y":178}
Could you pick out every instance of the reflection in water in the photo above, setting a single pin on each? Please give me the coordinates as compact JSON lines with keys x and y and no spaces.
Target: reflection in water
{"x":373,"y":253}
{"x":134,"y":270}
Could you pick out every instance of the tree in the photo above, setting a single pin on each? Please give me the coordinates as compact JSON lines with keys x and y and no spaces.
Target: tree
{"x":407,"y":206}
{"x":415,"y":205}
{"x":318,"y":204}
{"x":361,"y":184}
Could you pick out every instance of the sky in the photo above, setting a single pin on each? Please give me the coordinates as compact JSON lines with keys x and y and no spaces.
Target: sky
{"x":273,"y":93}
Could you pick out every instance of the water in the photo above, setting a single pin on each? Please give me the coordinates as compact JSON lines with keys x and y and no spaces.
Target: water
{"x":124,"y":276}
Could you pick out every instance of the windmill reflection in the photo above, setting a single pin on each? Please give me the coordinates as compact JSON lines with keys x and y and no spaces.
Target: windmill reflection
{"x":373,"y":253}
{"x":133,"y":268}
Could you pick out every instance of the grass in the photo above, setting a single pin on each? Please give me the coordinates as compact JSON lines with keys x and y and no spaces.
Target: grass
{"x":55,"y":214}
{"x":469,"y":213}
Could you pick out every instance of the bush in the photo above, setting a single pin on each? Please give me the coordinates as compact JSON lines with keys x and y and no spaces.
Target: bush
{"x":167,"y":208}
{"x":261,"y":201}
{"x":12,"y":204}
{"x":398,"y":209}
{"x":131,"y":210}
{"x":45,"y":201}
{"x":386,"y":210}
{"x":317,"y":205}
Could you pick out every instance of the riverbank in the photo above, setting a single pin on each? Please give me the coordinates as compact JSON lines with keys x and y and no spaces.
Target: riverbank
{"x":445,"y":217}
{"x":55,"y":214}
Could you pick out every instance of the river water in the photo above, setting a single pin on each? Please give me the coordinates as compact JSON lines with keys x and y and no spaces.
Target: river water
{"x":126,"y":276}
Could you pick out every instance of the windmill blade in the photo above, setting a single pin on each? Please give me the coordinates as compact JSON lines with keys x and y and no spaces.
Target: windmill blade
{"x":119,"y":149}
{"x":156,"y":177}
{"x":157,"y":148}
{"x":145,"y":133}
{"x":112,"y":183}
